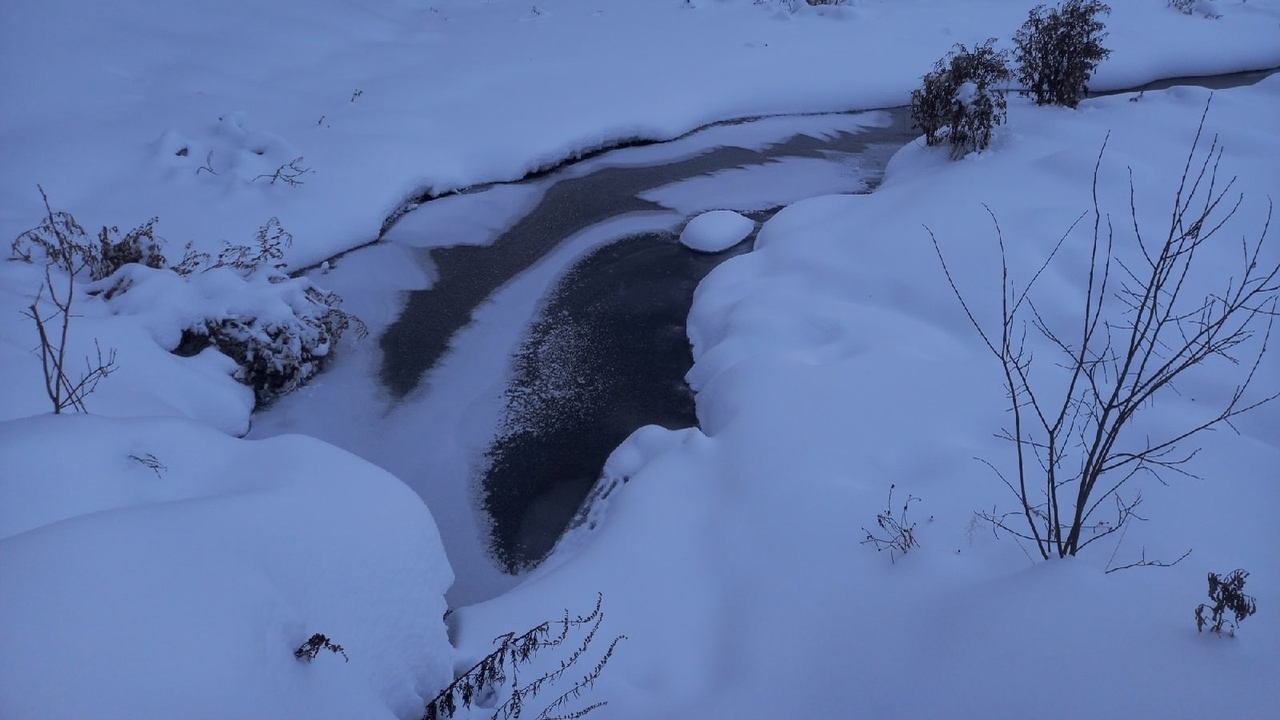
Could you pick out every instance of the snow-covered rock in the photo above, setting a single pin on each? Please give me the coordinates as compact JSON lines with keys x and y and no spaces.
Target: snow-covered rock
{"x":716,"y":231}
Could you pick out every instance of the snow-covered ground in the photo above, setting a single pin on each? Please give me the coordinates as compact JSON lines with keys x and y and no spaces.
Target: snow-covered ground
{"x":832,"y":363}
{"x":388,"y":99}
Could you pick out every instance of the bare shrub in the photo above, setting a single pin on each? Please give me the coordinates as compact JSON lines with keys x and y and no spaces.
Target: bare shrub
{"x":899,"y":534}
{"x":60,"y":240}
{"x":1140,"y":328}
{"x":483,"y":682}
{"x":308,"y":650}
{"x":1228,"y":596}
{"x":64,"y":245}
{"x":270,"y":242}
{"x":151,"y":462}
{"x":139,"y":245}
{"x":1058,"y":49}
{"x":267,"y":252}
{"x":961,"y":100}
{"x":289,"y":173}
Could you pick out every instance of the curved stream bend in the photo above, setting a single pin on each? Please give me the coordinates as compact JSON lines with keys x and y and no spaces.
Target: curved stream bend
{"x":608,"y":351}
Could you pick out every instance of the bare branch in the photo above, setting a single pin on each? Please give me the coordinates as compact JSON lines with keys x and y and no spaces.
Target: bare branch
{"x":1139,"y":329}
{"x":1144,"y":562}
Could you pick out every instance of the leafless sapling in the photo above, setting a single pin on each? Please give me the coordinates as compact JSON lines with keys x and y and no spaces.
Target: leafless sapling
{"x":55,"y":235}
{"x":1142,"y":324}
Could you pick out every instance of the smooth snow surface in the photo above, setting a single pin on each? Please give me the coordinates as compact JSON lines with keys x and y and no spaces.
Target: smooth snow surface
{"x":151,"y":565}
{"x":716,"y":230}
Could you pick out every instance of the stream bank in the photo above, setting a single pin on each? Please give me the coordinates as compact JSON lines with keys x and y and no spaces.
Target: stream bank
{"x":607,"y":351}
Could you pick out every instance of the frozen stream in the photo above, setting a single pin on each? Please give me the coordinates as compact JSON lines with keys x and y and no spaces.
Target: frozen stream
{"x":521,"y":331}
{"x":607,"y":352}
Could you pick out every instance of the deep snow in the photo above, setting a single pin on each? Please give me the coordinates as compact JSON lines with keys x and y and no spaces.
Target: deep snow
{"x":156,"y":566}
{"x":831,"y":362}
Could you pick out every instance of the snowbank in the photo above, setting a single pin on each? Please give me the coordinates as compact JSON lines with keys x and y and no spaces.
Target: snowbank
{"x":157,"y":568}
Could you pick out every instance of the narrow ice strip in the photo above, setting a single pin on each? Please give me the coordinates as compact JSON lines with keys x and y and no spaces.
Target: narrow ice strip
{"x":476,"y":218}
{"x":757,"y":134}
{"x":761,"y":187}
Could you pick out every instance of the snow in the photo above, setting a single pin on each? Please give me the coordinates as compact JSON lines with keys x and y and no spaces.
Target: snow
{"x":832,"y":362}
{"x":716,"y":231}
{"x":149,"y":566}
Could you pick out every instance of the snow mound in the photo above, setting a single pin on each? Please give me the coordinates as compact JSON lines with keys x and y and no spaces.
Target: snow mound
{"x":716,"y":231}
{"x":163,"y":569}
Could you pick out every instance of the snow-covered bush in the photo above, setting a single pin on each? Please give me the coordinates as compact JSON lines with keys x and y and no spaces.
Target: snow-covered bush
{"x":277,"y":352}
{"x":961,"y":101}
{"x":279,"y":330}
{"x":1058,"y":49}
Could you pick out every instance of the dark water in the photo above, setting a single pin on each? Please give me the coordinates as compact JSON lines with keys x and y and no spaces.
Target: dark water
{"x":607,"y":355}
{"x":608,"y":351}
{"x":1213,"y":82}
{"x":470,"y":274}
